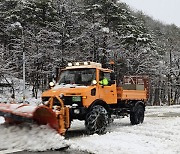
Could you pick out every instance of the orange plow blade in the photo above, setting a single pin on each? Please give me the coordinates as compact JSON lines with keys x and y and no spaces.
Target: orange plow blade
{"x":18,"y":113}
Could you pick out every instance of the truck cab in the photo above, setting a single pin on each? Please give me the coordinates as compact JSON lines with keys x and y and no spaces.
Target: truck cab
{"x":79,"y":86}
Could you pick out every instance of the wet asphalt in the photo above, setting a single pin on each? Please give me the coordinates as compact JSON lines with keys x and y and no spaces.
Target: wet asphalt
{"x":62,"y":151}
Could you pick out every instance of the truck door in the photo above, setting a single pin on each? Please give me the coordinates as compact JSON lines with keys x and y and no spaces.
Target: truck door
{"x":108,"y":92}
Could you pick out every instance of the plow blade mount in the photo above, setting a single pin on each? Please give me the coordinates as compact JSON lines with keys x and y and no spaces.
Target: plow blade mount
{"x":18,"y":113}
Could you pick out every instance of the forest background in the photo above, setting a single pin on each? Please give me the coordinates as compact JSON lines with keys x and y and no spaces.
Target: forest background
{"x":52,"y":33}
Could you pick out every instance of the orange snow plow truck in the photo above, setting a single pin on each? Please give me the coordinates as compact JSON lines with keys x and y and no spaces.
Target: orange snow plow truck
{"x":84,"y":91}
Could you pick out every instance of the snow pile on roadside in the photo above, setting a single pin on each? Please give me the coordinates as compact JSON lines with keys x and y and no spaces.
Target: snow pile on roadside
{"x":30,"y":137}
{"x":1,"y":120}
{"x":18,"y":87}
{"x":158,"y":111}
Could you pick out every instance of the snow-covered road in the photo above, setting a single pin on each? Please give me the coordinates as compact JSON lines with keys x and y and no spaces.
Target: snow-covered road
{"x":159,"y":134}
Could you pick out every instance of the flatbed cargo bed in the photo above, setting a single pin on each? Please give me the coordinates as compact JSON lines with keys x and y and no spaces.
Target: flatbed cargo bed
{"x":131,"y":94}
{"x":134,"y":88}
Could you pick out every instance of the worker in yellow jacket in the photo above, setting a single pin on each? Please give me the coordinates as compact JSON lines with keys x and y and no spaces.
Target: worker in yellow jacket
{"x":104,"y":81}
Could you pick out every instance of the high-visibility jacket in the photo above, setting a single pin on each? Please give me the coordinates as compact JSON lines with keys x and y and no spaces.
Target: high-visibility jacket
{"x":104,"y":82}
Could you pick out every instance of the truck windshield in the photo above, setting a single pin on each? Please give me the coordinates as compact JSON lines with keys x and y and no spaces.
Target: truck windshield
{"x":78,"y":76}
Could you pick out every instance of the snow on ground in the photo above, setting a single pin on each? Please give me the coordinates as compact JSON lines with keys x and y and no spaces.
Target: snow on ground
{"x":30,"y":137}
{"x":159,"y":134}
{"x":1,"y":120}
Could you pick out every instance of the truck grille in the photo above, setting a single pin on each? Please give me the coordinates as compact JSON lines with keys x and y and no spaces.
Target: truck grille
{"x":68,"y":100}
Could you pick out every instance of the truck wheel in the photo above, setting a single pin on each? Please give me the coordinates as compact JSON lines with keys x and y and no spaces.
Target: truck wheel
{"x":96,"y":120}
{"x":137,"y":115}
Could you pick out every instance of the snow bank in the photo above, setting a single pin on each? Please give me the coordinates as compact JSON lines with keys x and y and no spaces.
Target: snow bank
{"x":30,"y":137}
{"x":158,"y":134}
{"x":18,"y":87}
{"x":159,"y":111}
{"x":1,"y":120}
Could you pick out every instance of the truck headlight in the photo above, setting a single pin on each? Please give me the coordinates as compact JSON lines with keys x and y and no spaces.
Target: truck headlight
{"x":76,"y":111}
{"x":77,"y":64}
{"x":61,"y":95}
{"x":70,"y":64}
{"x":94,"y":82}
{"x":85,"y":63}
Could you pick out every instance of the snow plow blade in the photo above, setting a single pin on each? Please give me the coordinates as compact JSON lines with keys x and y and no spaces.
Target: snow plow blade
{"x":42,"y":115}
{"x":18,"y":113}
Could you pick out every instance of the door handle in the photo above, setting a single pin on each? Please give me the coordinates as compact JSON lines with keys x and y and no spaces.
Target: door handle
{"x":111,"y":91}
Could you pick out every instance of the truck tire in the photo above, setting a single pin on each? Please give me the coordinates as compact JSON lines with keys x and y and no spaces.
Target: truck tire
{"x":96,"y":120}
{"x":137,"y":115}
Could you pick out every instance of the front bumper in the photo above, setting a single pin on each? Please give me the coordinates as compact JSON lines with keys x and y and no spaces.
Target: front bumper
{"x":78,"y":113}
